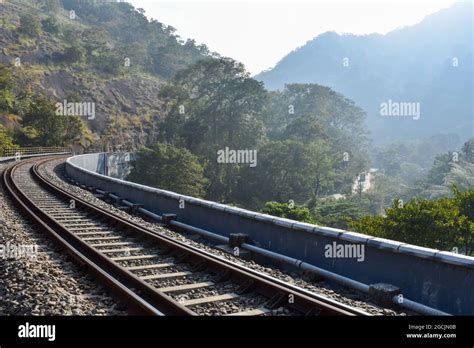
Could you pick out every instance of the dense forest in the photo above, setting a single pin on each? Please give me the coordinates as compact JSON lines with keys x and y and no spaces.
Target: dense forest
{"x":202,"y":126}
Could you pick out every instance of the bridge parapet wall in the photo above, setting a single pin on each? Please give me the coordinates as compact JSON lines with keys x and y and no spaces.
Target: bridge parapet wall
{"x":438,"y":279}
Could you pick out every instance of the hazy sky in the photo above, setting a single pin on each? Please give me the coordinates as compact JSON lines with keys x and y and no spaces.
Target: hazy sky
{"x":261,"y":32}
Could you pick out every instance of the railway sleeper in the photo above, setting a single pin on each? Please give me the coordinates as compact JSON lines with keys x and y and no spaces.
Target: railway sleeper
{"x":216,"y":298}
{"x":186,"y":287}
{"x":276,"y":301}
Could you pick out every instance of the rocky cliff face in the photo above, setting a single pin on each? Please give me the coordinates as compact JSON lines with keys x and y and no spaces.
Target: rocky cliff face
{"x":120,"y":75}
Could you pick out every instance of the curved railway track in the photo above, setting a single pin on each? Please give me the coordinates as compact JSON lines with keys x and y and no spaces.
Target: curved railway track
{"x":153,"y":273}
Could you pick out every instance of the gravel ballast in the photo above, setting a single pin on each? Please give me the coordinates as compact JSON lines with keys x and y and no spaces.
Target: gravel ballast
{"x":44,"y":281}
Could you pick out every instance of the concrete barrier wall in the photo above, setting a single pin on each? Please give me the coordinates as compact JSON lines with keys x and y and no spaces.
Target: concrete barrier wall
{"x":434,"y":278}
{"x":115,"y":165}
{"x":93,"y":162}
{"x":118,"y":164}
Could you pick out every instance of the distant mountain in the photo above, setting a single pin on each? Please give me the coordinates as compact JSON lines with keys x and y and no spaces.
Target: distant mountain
{"x":428,"y":65}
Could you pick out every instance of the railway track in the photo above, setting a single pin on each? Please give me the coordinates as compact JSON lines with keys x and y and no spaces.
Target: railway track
{"x":153,"y":273}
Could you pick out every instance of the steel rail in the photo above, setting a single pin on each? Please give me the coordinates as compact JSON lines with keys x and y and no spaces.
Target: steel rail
{"x":137,"y":305}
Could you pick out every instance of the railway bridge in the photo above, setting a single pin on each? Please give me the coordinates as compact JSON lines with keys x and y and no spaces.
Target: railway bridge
{"x":152,"y":271}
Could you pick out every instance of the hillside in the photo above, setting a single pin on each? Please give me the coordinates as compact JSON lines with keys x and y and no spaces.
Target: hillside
{"x":103,"y":52}
{"x":429,"y":63}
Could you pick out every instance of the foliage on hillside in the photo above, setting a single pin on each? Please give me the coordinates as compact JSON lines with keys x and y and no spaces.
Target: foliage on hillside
{"x":6,"y":141}
{"x":102,"y":35}
{"x":102,"y":52}
{"x":288,"y":170}
{"x":443,"y":224}
{"x":30,"y":120}
{"x":289,"y":211}
{"x":339,"y":213}
{"x":209,"y":106}
{"x":309,"y":113}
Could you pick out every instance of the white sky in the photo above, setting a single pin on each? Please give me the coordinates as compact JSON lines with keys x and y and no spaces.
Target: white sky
{"x":261,"y":32}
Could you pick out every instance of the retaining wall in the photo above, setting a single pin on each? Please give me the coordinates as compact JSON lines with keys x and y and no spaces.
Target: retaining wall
{"x":434,"y":278}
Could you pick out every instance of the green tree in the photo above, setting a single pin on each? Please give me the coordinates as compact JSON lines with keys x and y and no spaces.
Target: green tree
{"x":287,"y":170}
{"x":50,"y":25}
{"x":468,"y":150}
{"x":339,"y":213}
{"x":43,"y":119}
{"x":53,"y":6}
{"x":309,"y":113}
{"x":305,"y":128}
{"x":169,"y":168}
{"x":110,"y":63}
{"x":29,"y":25}
{"x":6,"y":141}
{"x":73,"y":130}
{"x":441,"y":224}
{"x":7,"y":83}
{"x":465,"y":202}
{"x":320,"y":107}
{"x":213,"y":102}
{"x":290,"y":211}
{"x":209,"y":106}
{"x":441,"y":167}
{"x":74,"y":54}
